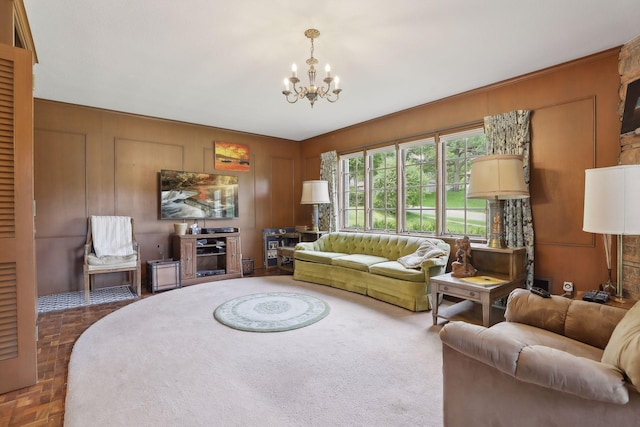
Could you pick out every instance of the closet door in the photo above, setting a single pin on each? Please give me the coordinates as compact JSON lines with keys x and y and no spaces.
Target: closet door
{"x":18,"y":314}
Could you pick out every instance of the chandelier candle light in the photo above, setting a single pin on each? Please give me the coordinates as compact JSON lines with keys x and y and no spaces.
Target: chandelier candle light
{"x":312,"y":92}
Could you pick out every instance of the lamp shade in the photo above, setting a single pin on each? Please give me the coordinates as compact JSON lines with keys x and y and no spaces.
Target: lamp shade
{"x":497,"y":177}
{"x":612,"y":200}
{"x":314,"y":192}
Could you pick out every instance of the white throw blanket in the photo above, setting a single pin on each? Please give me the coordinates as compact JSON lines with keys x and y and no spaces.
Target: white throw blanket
{"x":112,"y":235}
{"x":426,"y":251}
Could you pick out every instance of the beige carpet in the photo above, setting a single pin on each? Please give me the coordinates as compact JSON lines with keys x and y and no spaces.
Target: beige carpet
{"x":165,"y":361}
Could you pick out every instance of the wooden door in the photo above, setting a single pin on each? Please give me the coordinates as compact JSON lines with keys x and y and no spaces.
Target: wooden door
{"x":18,"y":314}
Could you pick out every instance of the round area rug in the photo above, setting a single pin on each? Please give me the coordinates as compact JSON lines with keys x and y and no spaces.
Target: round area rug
{"x":271,"y":312}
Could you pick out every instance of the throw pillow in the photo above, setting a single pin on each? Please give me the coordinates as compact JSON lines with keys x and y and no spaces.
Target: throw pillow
{"x":623,"y":348}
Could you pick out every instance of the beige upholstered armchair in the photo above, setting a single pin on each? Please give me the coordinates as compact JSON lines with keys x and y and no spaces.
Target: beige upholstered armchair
{"x":111,"y":247}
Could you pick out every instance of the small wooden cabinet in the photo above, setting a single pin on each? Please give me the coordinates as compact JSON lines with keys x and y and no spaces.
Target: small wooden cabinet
{"x":276,"y":238}
{"x":208,"y":257}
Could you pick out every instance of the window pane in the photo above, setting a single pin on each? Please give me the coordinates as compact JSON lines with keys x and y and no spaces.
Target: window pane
{"x":462,"y":216}
{"x":384,"y":190}
{"x":353,"y":178}
{"x":420,"y":175}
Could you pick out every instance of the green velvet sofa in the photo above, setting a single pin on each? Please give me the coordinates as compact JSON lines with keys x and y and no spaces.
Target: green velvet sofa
{"x":392,"y":268}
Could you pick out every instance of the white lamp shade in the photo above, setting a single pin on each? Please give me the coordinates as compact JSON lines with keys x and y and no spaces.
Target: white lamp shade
{"x":497,"y":176}
{"x":314,"y":192}
{"x":612,"y":200}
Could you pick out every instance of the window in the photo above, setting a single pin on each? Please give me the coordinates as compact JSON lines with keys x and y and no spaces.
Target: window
{"x":428,"y":195}
{"x":383,"y":180}
{"x":352,"y":202}
{"x":420,"y":186}
{"x":462,"y":216}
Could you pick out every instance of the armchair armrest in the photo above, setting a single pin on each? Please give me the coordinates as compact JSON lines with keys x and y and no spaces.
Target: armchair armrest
{"x":536,"y":364}
{"x":485,"y":345}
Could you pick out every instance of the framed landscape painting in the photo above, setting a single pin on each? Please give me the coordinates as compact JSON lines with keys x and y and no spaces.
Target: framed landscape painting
{"x":231,"y":157}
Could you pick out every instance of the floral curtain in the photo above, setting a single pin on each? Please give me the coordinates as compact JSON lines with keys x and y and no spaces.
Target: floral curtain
{"x":508,"y":133}
{"x":328,"y":220}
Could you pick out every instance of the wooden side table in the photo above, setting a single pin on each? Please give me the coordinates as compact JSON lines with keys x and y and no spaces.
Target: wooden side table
{"x":285,"y":258}
{"x":626,"y":304}
{"x":484,"y":294}
{"x":506,"y":264}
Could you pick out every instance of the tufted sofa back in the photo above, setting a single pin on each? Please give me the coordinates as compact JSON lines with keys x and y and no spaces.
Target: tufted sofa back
{"x":390,"y":246}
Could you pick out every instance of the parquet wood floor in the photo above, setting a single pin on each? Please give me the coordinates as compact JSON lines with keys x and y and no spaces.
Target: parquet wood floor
{"x":43,"y":403}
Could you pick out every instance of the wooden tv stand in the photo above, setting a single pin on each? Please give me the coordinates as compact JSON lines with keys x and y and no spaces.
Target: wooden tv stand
{"x":208,"y":257}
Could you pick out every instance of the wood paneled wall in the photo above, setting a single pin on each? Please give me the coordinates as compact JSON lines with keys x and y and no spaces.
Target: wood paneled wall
{"x":96,"y":162}
{"x":90,"y":161}
{"x":574,"y":126}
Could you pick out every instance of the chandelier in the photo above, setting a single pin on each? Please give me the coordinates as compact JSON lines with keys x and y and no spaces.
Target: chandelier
{"x":312,"y":92}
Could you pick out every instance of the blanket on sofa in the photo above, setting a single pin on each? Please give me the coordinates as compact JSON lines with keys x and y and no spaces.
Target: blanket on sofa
{"x":427,"y":250}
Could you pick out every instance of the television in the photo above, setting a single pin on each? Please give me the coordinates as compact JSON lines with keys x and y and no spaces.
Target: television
{"x":193,"y":195}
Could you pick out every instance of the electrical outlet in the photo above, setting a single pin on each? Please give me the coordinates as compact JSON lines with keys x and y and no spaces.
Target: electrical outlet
{"x":567,"y":287}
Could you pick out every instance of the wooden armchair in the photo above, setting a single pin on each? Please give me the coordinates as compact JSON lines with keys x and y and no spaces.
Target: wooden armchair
{"x":111,"y":247}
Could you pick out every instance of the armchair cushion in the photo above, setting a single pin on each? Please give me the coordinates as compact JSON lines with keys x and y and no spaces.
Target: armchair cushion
{"x":537,"y":364}
{"x":109,"y":261}
{"x":562,"y":371}
{"x":623,"y":349}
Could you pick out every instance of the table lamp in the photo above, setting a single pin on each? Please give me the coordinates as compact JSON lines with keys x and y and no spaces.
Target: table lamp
{"x":612,"y":206}
{"x":497,"y":178}
{"x":314,"y":193}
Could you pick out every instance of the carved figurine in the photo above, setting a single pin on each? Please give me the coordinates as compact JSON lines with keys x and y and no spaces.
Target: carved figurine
{"x":462,"y":267}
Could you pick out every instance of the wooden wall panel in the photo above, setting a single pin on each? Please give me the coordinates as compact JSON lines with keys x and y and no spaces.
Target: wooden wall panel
{"x":564,"y":147}
{"x":138,"y":164}
{"x":270,"y":192}
{"x":283,"y":182}
{"x":123,"y":155}
{"x":61,"y":205}
{"x":60,"y":183}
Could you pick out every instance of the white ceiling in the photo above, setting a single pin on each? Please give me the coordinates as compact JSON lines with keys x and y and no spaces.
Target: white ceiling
{"x":221,"y":63}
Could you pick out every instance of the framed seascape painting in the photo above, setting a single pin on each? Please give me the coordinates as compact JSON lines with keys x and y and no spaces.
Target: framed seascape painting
{"x":192,"y":195}
{"x":231,"y":157}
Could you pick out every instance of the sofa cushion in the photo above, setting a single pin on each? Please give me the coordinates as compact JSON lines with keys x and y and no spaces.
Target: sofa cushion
{"x":623,"y":349}
{"x":579,"y":323}
{"x":559,"y":370}
{"x":531,"y":335}
{"x":358,"y":261}
{"x":317,"y":256}
{"x":395,"y":270}
{"x":531,"y":309}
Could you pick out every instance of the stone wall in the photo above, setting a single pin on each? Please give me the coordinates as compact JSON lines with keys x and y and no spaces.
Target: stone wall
{"x":629,"y":68}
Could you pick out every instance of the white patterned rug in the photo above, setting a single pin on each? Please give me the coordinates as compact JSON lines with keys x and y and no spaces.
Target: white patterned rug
{"x":271,"y":312}
{"x":76,"y":299}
